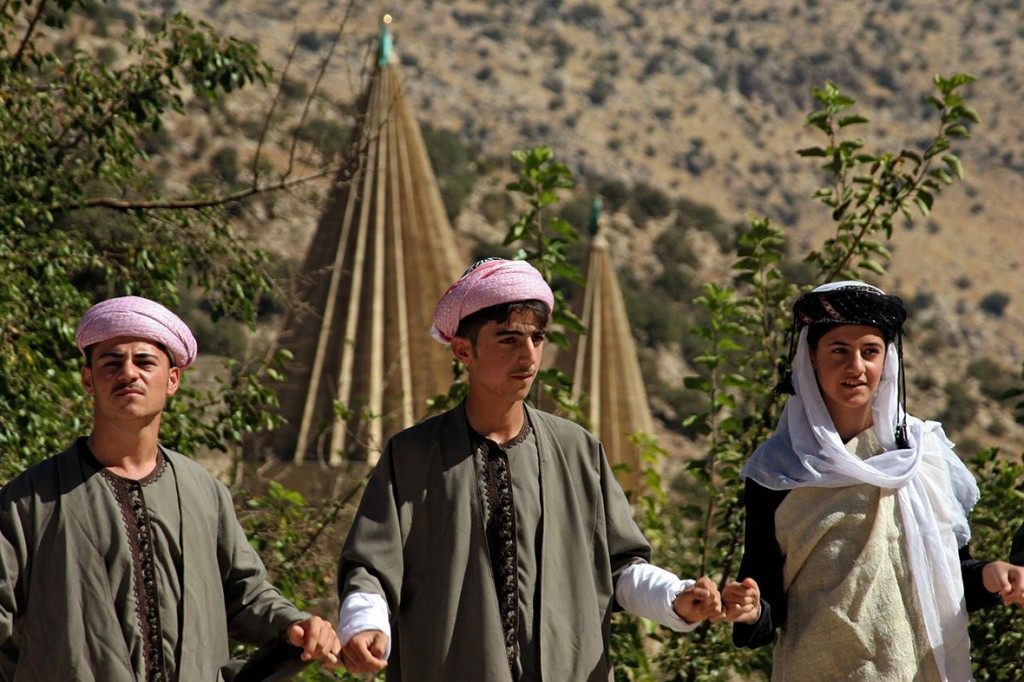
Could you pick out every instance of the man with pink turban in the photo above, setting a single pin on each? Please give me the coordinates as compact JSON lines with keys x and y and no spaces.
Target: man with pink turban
{"x":493,"y":541}
{"x":123,"y":560}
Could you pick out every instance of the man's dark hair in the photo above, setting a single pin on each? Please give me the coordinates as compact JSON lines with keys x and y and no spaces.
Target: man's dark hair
{"x":470,"y":325}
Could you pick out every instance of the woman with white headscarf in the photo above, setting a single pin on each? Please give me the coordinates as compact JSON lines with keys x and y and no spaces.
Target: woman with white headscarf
{"x":856,"y":536}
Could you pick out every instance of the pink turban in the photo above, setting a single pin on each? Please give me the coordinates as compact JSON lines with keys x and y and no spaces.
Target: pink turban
{"x":141,"y":318}
{"x":489,"y":282}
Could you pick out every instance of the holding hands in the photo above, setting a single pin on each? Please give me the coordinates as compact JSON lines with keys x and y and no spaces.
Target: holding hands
{"x":737,"y":603}
{"x":741,"y":601}
{"x":698,"y":602}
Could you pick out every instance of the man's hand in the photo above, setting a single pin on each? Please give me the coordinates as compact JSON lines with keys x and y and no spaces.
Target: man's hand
{"x":317,"y":639}
{"x":1006,"y":580}
{"x":364,"y":653}
{"x":698,"y":602}
{"x":741,"y":602}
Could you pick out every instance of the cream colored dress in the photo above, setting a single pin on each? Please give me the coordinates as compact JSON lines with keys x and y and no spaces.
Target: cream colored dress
{"x":853,"y":613}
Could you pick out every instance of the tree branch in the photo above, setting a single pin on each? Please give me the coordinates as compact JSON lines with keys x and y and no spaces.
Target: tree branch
{"x":270,"y":113}
{"x":316,"y":86}
{"x":16,"y":59}
{"x":203,"y":202}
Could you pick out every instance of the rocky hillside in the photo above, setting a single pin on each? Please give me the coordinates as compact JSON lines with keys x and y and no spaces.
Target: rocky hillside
{"x":704,"y":101}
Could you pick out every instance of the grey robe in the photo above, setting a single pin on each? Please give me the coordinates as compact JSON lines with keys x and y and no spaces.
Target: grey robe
{"x":418,"y":539}
{"x":60,"y":619}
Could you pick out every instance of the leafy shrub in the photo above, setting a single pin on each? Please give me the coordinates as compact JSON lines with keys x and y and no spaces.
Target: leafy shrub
{"x":653,"y":202}
{"x":310,"y":41}
{"x":156,"y":141}
{"x":455,"y":190}
{"x":960,"y":408}
{"x":672,"y":247}
{"x":615,"y":194}
{"x":554,"y":84}
{"x":294,"y":89}
{"x":697,"y":216}
{"x":447,"y":151}
{"x":224,"y":163}
{"x":705,"y":54}
{"x":922,"y":300}
{"x":327,"y":136}
{"x":496,"y":207}
{"x":107,"y":55}
{"x":584,"y":14}
{"x":494,"y":33}
{"x":654,"y":314}
{"x":993,"y":379}
{"x":600,"y":90}
{"x":995,"y":303}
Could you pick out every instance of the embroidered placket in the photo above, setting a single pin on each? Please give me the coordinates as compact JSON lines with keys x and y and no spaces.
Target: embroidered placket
{"x":132,"y":503}
{"x":501,"y":540}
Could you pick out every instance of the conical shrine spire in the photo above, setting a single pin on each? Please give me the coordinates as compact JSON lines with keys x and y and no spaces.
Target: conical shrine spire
{"x":604,"y":365}
{"x":384,"y":252}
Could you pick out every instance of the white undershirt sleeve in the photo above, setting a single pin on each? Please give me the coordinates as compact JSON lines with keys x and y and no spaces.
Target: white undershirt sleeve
{"x":648,"y":591}
{"x":362,"y":611}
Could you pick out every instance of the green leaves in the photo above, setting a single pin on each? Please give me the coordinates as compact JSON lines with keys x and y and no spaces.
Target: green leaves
{"x":997,"y":634}
{"x":70,"y":131}
{"x":866,"y":191}
{"x":545,"y":245}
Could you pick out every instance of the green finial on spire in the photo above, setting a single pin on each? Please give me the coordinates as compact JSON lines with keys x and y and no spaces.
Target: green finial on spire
{"x":385,"y":41}
{"x":595,"y":216}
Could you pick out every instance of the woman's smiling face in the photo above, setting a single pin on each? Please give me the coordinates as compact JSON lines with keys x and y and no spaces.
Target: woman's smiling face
{"x":848,"y":363}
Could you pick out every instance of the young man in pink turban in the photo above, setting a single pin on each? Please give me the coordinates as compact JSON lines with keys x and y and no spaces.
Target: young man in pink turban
{"x":124,"y":561}
{"x":493,"y":541}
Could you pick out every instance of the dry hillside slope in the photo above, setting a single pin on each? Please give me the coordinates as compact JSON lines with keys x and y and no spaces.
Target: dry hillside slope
{"x":706,"y":101}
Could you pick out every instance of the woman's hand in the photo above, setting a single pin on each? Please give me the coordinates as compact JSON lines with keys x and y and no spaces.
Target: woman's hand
{"x":741,"y":602}
{"x":1006,"y":580}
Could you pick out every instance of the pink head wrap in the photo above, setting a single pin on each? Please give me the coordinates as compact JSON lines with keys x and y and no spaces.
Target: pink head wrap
{"x":489,"y":282}
{"x":139,"y":317}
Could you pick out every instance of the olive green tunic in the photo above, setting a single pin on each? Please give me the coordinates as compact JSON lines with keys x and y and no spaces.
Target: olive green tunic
{"x":102,"y":575}
{"x":418,"y":539}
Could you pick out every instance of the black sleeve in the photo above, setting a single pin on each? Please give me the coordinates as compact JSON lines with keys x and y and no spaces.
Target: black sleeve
{"x":975,"y":594}
{"x":1017,"y":549}
{"x":762,"y":561}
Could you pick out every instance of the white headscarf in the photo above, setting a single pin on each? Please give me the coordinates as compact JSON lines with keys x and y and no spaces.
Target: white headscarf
{"x":806,"y":450}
